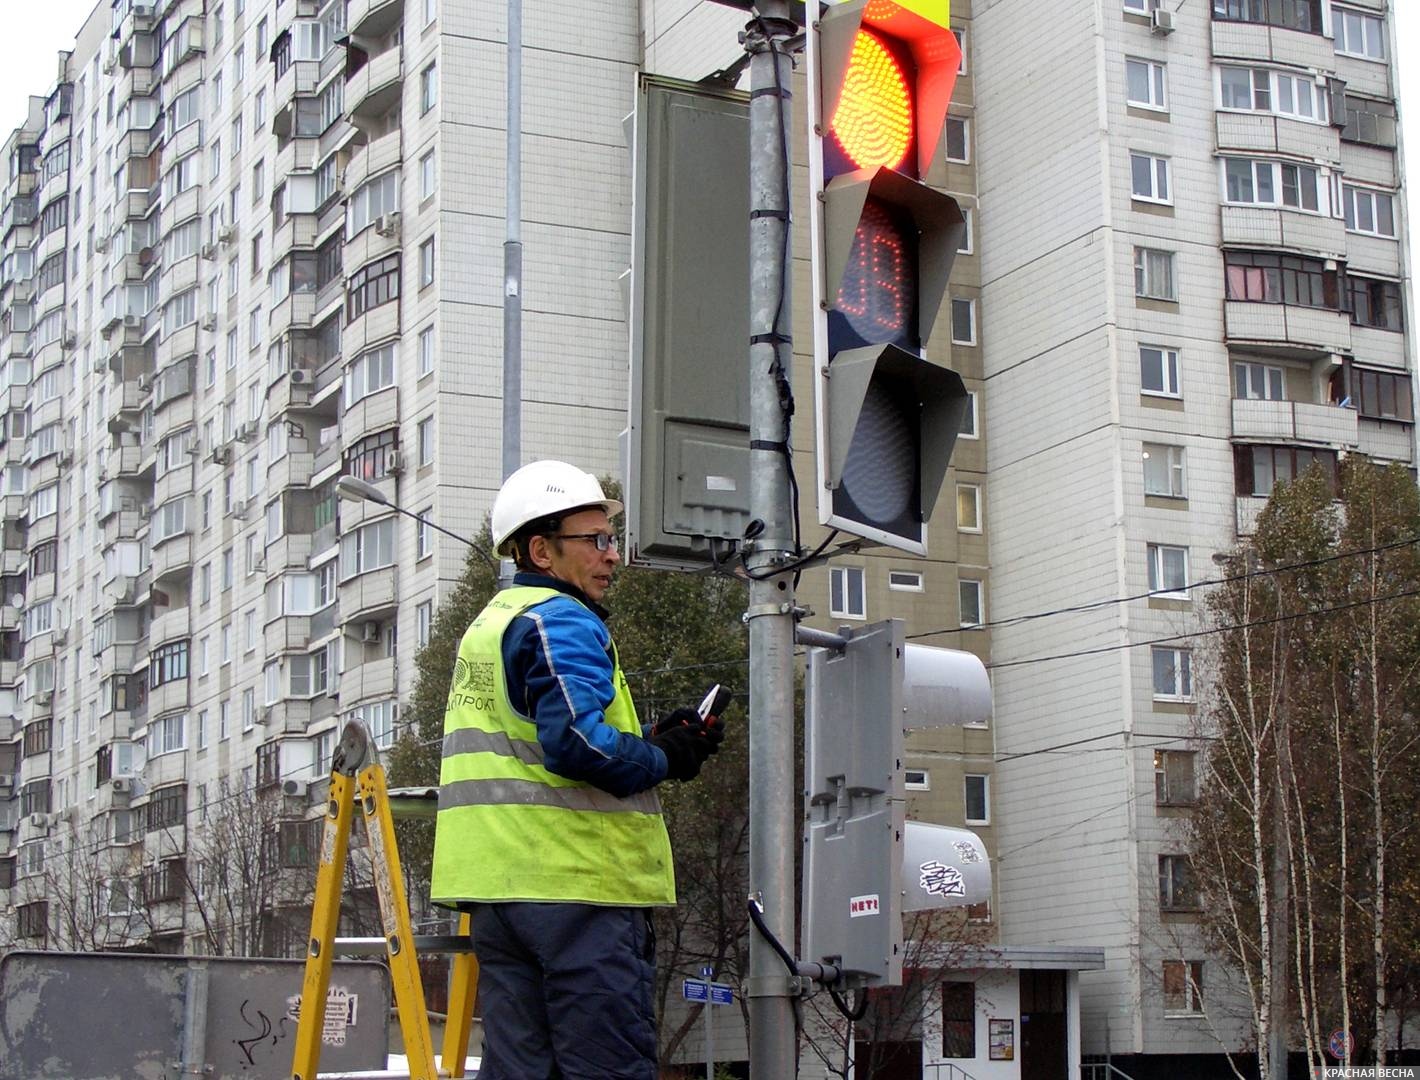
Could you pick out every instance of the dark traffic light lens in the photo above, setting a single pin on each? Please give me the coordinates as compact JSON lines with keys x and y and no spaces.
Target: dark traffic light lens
{"x":878,"y":476}
{"x":877,"y":297}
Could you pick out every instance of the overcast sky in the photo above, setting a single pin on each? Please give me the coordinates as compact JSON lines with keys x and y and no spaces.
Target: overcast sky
{"x":33,"y":35}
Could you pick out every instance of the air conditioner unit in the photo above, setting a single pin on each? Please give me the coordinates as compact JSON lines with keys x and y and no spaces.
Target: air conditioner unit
{"x":142,"y":11}
{"x":1161,"y":21}
{"x":101,"y":244}
{"x":209,"y":322}
{"x":110,"y":65}
{"x":7,"y":780}
{"x":122,"y":785}
{"x":295,"y":788}
{"x":258,"y":561}
{"x":132,"y":320}
{"x":208,"y":250}
{"x":60,"y":636}
{"x":239,"y":509}
{"x":246,"y":431}
{"x":387,"y":224}
{"x":263,"y":716}
{"x":65,"y":458}
{"x":38,"y":821}
{"x":301,"y":377}
{"x":145,"y":383}
{"x":221,"y":455}
{"x":370,"y":632}
{"x":226,"y":234}
{"x":100,"y":365}
{"x":44,"y":698}
{"x":69,"y":340}
{"x":394,"y":464}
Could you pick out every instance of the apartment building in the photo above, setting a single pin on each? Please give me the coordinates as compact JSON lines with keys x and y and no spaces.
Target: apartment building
{"x":1193,"y":257}
{"x":251,"y":246}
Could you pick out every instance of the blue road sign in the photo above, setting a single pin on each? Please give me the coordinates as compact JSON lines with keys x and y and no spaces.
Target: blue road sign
{"x":695,"y":990}
{"x":721,"y":994}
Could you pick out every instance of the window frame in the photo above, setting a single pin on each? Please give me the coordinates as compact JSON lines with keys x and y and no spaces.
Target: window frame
{"x":1145,"y":283}
{"x":985,"y":797}
{"x":848,"y":584}
{"x":1181,"y":665}
{"x":1189,"y":974}
{"x":1156,"y":72}
{"x":1157,"y":162}
{"x":977,"y":586}
{"x":1175,"y":468}
{"x":1157,"y":554}
{"x":1170,"y":372}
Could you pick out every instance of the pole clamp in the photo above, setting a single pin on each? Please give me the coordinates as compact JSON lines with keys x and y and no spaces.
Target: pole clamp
{"x":775,"y":986}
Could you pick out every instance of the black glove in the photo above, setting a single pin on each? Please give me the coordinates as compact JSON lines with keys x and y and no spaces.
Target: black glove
{"x":685,"y":750}
{"x":674,"y":719}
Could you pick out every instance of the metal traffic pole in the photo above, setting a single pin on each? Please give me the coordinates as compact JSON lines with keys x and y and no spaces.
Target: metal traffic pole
{"x":770,"y":988}
{"x":513,"y":264}
{"x":708,"y":974}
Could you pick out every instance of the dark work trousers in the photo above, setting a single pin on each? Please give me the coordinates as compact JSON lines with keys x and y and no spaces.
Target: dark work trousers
{"x":565,"y":991}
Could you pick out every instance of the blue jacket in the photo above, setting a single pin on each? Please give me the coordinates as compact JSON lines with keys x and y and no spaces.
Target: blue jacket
{"x":557,"y":660}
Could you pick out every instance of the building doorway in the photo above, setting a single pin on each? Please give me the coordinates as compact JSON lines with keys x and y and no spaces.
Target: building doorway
{"x":1045,"y":1041}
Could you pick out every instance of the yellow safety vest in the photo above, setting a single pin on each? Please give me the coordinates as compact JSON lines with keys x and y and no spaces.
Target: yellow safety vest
{"x":507,"y":828}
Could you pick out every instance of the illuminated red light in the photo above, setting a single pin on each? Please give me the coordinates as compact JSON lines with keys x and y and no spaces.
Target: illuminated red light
{"x":874,"y":295}
{"x":873,"y":121}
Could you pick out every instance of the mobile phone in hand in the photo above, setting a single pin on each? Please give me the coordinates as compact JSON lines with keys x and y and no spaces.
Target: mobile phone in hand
{"x":716,"y":701}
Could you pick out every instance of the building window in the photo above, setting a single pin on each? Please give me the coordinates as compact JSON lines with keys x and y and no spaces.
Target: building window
{"x":369,"y":459}
{"x":428,"y":176}
{"x":1183,"y":987}
{"x":1158,"y":371}
{"x":969,"y":508}
{"x":969,"y":417}
{"x":425,"y":433}
{"x":973,"y":606}
{"x":958,"y":139}
{"x":367,"y":548}
{"x":423,"y":621}
{"x":426,"y":351}
{"x":1168,"y":569}
{"x":1150,"y":178}
{"x":1303,"y":15}
{"x":1259,"y":469}
{"x":1259,"y":382}
{"x":1153,"y":274}
{"x":1138,"y":7}
{"x":167,"y":735}
{"x":958,"y":1020}
{"x":1173,"y":674}
{"x":1251,"y":182}
{"x":1175,"y":782}
{"x":428,"y":88}
{"x":847,"y":595}
{"x":426,"y":263}
{"x":370,"y":371}
{"x":1375,"y":303}
{"x":1147,"y":84}
{"x":1163,"y":471}
{"x":167,"y":663}
{"x":963,"y":321}
{"x":1371,"y":213}
{"x":1261,"y":90}
{"x":1176,"y":890}
{"x":371,"y":286}
{"x":1382,"y":395}
{"x":167,"y":808}
{"x":1370,"y":122}
{"x":977,"y":790}
{"x":917,"y":780}
{"x":424,"y":534}
{"x":1359,"y":34}
{"x":904,"y":580}
{"x":1264,"y":278}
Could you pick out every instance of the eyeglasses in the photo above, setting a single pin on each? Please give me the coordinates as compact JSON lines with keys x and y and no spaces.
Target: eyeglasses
{"x":603,"y":541}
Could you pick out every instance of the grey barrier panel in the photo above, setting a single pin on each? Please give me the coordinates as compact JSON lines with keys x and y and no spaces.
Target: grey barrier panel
{"x":139,"y":1016}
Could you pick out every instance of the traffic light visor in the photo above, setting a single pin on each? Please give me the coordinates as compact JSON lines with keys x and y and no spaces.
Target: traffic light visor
{"x":886,"y":73}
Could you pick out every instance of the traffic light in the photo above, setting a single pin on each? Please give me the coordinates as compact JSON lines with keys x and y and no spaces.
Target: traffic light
{"x":864,"y":864}
{"x":881,"y":76}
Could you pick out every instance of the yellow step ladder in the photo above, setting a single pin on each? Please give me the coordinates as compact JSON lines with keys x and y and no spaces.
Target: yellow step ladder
{"x":356,"y":767}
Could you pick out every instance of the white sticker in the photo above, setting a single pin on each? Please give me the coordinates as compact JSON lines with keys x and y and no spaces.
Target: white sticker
{"x":938,"y":879}
{"x":719,"y":483}
{"x":858,"y":906}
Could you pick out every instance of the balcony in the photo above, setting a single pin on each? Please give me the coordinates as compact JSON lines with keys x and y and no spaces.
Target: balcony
{"x":369,"y":595}
{"x":290,"y":470}
{"x":297,"y":231}
{"x":298,"y":80}
{"x":370,"y":160}
{"x":134,"y":82}
{"x":285,"y":394}
{"x":372,"y":680}
{"x":172,"y":558}
{"x":174,"y":624}
{"x":293,"y":313}
{"x":288,"y":633}
{"x":1387,"y":440}
{"x":375,"y":89}
{"x":372,"y":413}
{"x":289,"y":552}
{"x":1294,"y":421}
{"x":1253,"y":227}
{"x":122,"y":526}
{"x":1266,"y":133}
{"x":288,"y":717}
{"x":374,"y":18}
{"x":170,"y":697}
{"x":1373,"y":255}
{"x":1257,"y":41}
{"x":1306,"y":330}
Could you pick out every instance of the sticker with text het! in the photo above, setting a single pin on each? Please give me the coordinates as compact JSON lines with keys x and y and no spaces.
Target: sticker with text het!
{"x":858,"y":906}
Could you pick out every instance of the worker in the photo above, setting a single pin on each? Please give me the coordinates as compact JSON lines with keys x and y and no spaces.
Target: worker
{"x":549,"y":831}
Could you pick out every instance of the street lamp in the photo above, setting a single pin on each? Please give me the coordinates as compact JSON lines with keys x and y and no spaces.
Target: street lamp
{"x":357,"y":490}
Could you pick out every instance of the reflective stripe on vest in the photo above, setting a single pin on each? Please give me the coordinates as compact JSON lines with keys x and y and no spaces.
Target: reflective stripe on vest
{"x":508,"y":829}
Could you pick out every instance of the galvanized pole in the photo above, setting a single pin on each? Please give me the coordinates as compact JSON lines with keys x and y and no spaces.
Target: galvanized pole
{"x":770,"y":987}
{"x":513,"y":263}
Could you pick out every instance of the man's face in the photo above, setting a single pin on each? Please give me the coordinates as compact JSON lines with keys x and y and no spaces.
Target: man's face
{"x":574,"y":558}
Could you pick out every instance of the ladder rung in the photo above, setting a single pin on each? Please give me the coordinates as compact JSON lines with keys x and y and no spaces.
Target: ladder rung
{"x":423,"y":943}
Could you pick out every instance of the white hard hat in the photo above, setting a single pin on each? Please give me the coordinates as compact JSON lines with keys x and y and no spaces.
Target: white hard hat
{"x":543,"y":489}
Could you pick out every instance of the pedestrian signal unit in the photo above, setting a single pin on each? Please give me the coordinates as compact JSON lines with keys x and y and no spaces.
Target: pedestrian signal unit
{"x":881,"y":74}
